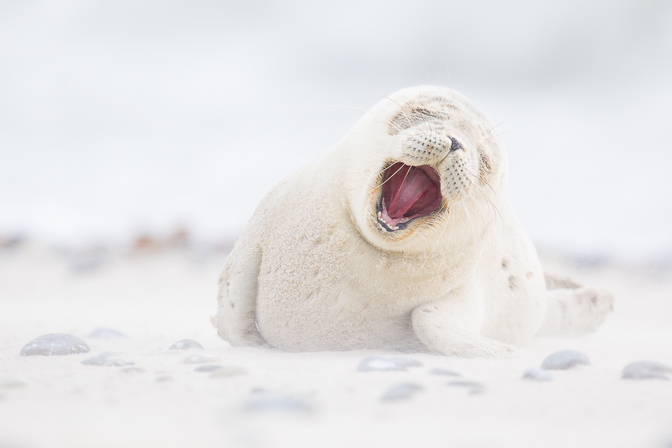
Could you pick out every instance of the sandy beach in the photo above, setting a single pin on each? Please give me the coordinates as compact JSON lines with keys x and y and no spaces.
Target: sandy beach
{"x":249,"y":397}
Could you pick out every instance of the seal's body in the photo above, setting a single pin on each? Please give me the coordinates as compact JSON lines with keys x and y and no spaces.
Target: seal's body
{"x":399,"y":237}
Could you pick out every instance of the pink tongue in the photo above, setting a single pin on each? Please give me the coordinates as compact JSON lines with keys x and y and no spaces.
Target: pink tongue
{"x":409,"y":192}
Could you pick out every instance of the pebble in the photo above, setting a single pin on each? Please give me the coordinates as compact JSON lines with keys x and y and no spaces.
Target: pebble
{"x":474,"y":387}
{"x":401,"y":392}
{"x":198,"y":359}
{"x":12,"y":382}
{"x":645,"y":370}
{"x":378,"y":363}
{"x":443,"y":372}
{"x":133,"y":370}
{"x":277,"y":404}
{"x":106,"y":333}
{"x":164,"y":378}
{"x":185,"y":344}
{"x":227,"y":371}
{"x":110,"y":359}
{"x":208,"y":368}
{"x":537,"y":375}
{"x":565,"y":359}
{"x":55,"y":344}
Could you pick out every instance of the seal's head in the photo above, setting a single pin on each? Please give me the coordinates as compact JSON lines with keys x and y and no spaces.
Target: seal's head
{"x":416,"y":158}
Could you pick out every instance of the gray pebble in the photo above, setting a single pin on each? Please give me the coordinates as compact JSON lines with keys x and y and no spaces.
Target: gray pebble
{"x":195,"y":359}
{"x":473,"y":387}
{"x":565,"y":359}
{"x":198,"y":358}
{"x":644,"y":370}
{"x":378,"y":363}
{"x":185,"y":344}
{"x":109,"y":359}
{"x":401,"y":392}
{"x":133,"y":370}
{"x":227,"y":371}
{"x":12,"y":382}
{"x":406,"y":362}
{"x":277,"y":404}
{"x":106,"y":333}
{"x":55,"y":344}
{"x":208,"y":368}
{"x":443,"y":372}
{"x":164,"y":379}
{"x":537,"y":375}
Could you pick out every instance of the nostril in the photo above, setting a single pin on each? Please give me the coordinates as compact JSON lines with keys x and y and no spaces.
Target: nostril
{"x":455,"y":145}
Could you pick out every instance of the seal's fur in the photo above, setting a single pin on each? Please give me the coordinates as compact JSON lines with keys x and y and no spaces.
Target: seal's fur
{"x":317,"y":269}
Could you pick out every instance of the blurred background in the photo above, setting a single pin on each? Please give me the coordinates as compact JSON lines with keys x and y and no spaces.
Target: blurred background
{"x":168,"y":119}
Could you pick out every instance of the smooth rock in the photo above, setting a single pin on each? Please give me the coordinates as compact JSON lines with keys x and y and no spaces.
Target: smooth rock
{"x":537,"y":375}
{"x":646,"y":370}
{"x":198,"y":359}
{"x":55,"y":344}
{"x":228,"y":371}
{"x":378,"y":363}
{"x":277,"y":404}
{"x":473,"y":387}
{"x":443,"y":372}
{"x":565,"y":359}
{"x":406,"y":362}
{"x":106,"y":333}
{"x":208,"y":368}
{"x":12,"y":382}
{"x":110,"y":359}
{"x":185,"y":344}
{"x":401,"y":392}
{"x":164,"y":379}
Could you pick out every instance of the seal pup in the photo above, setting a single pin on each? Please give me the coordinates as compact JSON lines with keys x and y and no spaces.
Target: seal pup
{"x":399,"y":237}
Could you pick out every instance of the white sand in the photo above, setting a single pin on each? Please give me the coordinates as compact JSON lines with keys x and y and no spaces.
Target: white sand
{"x":160,"y":298}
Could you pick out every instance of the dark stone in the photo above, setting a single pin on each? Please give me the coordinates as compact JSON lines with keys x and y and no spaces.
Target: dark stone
{"x":443,"y":372}
{"x":378,"y":363}
{"x":537,"y":375}
{"x":55,"y":344}
{"x":106,"y":333}
{"x":401,"y":392}
{"x":473,"y":387}
{"x":565,"y":359}
{"x":185,"y":344}
{"x":645,"y":370}
{"x":110,"y":359}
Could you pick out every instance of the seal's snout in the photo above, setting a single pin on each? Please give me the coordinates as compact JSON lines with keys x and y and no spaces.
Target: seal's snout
{"x":409,"y":192}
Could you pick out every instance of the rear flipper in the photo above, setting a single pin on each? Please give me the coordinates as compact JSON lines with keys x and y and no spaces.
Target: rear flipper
{"x":573,"y":309}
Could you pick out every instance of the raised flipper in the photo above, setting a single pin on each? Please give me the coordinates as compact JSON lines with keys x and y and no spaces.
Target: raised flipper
{"x":573,"y":309}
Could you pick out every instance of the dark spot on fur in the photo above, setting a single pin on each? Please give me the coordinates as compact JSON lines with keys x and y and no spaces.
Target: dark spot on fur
{"x":505,"y":263}
{"x":233,"y":305}
{"x":553,"y":282}
{"x":529,"y":275}
{"x":484,"y":168}
{"x":513,"y":283}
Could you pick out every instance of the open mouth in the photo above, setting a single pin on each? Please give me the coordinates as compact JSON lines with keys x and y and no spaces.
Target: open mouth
{"x":409,"y":192}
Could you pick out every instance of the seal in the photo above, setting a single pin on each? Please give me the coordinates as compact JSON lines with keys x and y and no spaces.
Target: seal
{"x":399,"y":237}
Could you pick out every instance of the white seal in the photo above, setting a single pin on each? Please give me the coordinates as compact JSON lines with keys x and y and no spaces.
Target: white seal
{"x":399,"y":237}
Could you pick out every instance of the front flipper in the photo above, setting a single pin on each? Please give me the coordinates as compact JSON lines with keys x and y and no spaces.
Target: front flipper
{"x":452,"y":328}
{"x":237,"y":297}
